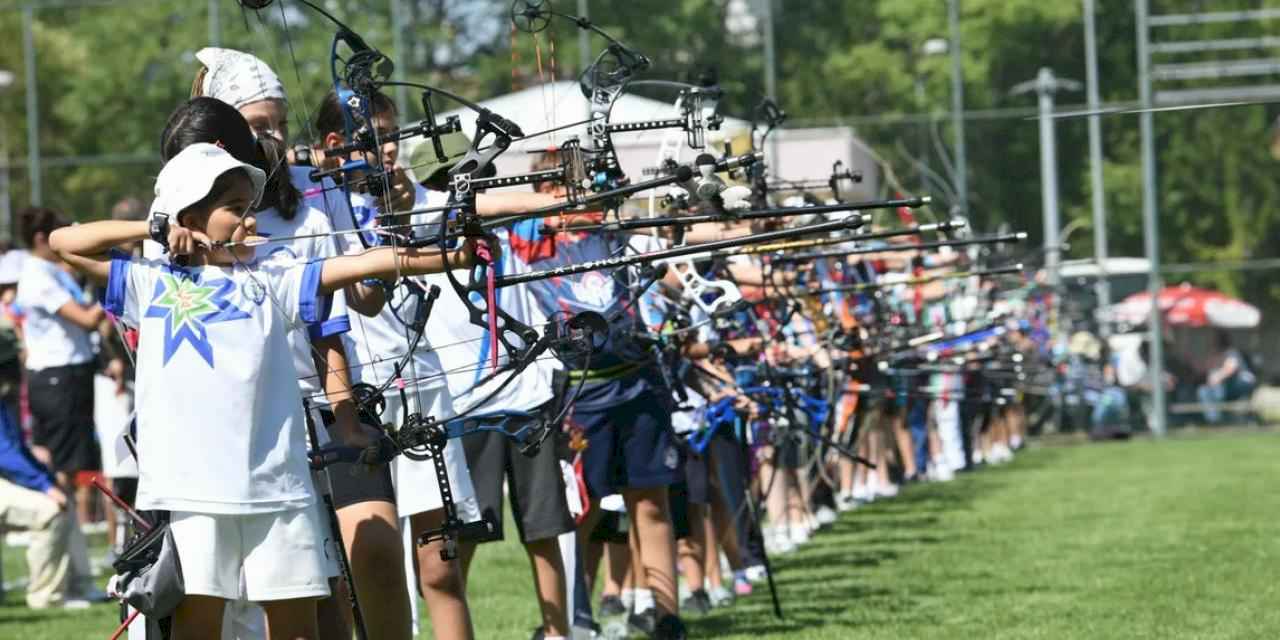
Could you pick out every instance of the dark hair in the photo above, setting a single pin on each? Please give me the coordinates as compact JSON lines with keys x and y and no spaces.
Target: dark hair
{"x":210,"y":120}
{"x":330,"y":119}
{"x":33,"y":220}
{"x":220,"y":186}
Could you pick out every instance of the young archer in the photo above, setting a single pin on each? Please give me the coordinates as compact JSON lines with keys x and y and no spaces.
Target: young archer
{"x":221,"y":441}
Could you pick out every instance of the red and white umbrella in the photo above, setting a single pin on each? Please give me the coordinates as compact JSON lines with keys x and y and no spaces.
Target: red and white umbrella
{"x":1188,"y":306}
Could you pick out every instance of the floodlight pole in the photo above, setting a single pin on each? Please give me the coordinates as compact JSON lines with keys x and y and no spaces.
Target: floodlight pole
{"x":957,"y":108}
{"x":1045,"y":85}
{"x":215,"y":24}
{"x":1150,"y":223}
{"x":1103,"y":286}
{"x":33,"y":106}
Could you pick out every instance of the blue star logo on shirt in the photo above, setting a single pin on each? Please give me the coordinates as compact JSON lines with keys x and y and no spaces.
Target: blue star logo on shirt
{"x":187,"y":308}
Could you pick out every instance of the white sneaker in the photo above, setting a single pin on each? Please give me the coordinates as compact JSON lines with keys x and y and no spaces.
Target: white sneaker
{"x":888,"y":491}
{"x":777,"y":541}
{"x":756,"y":573}
{"x":1015,"y":442}
{"x":799,"y":535}
{"x":863,"y":494}
{"x":1000,"y":453}
{"x":943,"y":473}
{"x":72,"y":604}
{"x":720,"y":597}
{"x":846,"y":502}
{"x":978,"y":457}
{"x":826,"y":516}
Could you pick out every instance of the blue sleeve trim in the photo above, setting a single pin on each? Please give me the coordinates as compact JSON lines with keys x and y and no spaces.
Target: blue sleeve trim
{"x":311,"y":306}
{"x":330,"y":327}
{"x":117,"y":285}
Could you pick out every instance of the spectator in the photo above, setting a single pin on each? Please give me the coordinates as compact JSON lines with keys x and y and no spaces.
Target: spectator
{"x":1229,"y":379}
{"x":31,"y":501}
{"x":129,"y":208}
{"x":57,"y":321}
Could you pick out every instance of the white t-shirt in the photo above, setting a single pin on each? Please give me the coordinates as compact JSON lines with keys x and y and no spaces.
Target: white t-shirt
{"x":50,"y":339}
{"x":308,"y":220}
{"x":464,"y":348}
{"x":375,"y":345}
{"x":220,"y":424}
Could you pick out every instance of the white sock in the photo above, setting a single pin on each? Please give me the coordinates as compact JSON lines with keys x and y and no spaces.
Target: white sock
{"x":644,"y":600}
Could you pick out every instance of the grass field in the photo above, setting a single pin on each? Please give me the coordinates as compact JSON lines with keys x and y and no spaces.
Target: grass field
{"x":1171,"y":539}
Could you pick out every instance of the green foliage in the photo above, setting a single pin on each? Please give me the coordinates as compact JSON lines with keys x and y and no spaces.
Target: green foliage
{"x":109,"y":74}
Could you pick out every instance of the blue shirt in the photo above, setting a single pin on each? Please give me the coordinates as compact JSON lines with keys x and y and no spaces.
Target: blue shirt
{"x":623,"y":364}
{"x":17,"y":465}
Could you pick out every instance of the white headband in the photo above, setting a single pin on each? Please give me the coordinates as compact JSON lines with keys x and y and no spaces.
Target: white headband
{"x":238,"y":78}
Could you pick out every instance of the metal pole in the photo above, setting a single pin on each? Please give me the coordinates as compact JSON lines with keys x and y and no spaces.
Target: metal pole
{"x":584,"y":37}
{"x":215,"y":24}
{"x":957,"y":107}
{"x":33,"y":106}
{"x":6,"y":206}
{"x":1103,"y":287}
{"x":770,"y":78}
{"x":397,"y":47}
{"x":1045,"y":87}
{"x":1150,"y":223}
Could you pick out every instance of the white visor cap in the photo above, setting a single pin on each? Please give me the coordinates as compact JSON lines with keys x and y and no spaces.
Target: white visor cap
{"x":189,"y":176}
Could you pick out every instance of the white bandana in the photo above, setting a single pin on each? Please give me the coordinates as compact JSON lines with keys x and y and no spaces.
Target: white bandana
{"x":238,"y":78}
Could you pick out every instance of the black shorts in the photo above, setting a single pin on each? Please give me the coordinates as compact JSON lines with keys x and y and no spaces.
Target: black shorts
{"x":629,"y":446}
{"x":535,"y":484}
{"x":61,"y":401}
{"x":693,"y":490}
{"x":614,"y":527}
{"x":678,"y":505}
{"x":697,"y":478}
{"x":353,"y":484}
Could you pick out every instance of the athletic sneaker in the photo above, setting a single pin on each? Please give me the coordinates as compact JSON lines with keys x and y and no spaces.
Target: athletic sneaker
{"x":70,"y":604}
{"x":756,"y":573}
{"x":785,"y":539}
{"x":742,"y":586}
{"x":799,"y":535}
{"x":644,"y":622}
{"x":94,"y":594}
{"x":611,"y":606}
{"x":847,"y":502}
{"x":698,"y":603}
{"x":670,"y":627}
{"x":721,"y":597}
{"x":888,"y":491}
{"x":1000,"y":453}
{"x":590,"y":631}
{"x":826,"y":516}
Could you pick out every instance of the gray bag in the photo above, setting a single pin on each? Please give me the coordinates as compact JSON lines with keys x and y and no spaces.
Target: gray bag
{"x":151,"y":574}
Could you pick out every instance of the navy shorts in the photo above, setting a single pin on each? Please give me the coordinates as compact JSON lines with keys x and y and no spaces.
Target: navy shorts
{"x":629,"y":446}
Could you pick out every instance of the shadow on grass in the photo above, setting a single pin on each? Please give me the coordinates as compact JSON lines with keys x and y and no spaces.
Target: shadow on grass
{"x":844,"y":579}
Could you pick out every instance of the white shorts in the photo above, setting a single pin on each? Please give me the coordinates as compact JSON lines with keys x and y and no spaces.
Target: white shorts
{"x":281,"y":554}
{"x":417,"y":490}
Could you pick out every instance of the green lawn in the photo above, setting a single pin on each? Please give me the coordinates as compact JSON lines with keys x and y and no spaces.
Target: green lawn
{"x":1171,"y":539}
